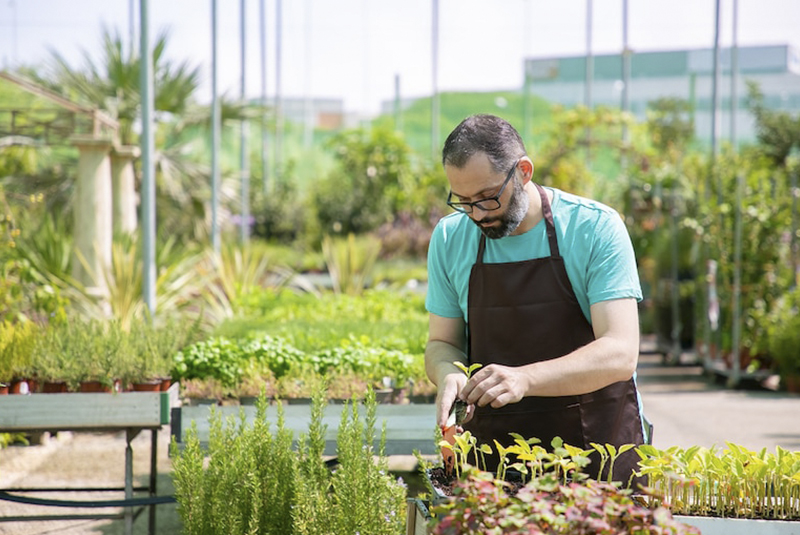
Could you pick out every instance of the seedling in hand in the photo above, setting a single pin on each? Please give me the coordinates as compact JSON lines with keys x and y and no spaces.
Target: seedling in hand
{"x":457,"y":415}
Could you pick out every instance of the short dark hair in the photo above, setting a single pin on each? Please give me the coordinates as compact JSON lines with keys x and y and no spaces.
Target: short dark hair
{"x":485,"y":133}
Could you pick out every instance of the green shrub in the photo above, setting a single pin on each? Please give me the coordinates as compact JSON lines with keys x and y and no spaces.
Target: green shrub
{"x":350,"y":262}
{"x":16,"y":348}
{"x":248,"y":485}
{"x":275,"y":354}
{"x":255,"y":482}
{"x":372,"y":177}
{"x":388,"y":319}
{"x":783,"y":334}
{"x":217,"y":358}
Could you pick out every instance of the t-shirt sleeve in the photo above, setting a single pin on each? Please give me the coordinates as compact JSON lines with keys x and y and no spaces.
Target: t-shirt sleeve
{"x":612,"y":272}
{"x":441,"y":298}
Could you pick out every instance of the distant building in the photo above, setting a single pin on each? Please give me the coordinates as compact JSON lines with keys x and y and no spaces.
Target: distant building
{"x":685,"y":74}
{"x":321,"y":113}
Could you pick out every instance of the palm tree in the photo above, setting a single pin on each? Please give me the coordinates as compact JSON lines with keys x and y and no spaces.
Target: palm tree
{"x":111,"y":83}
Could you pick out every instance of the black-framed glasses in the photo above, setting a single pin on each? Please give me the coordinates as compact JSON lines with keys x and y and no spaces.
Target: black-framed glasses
{"x":488,"y":204}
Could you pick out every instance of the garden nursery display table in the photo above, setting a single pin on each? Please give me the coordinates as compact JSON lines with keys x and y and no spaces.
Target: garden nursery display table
{"x":409,"y":427}
{"x":128,"y":412}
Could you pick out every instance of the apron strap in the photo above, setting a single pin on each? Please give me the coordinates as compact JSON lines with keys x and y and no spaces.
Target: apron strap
{"x":481,"y":249}
{"x":547,"y":212}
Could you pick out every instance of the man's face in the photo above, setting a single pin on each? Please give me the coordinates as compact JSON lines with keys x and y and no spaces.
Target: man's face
{"x":505,"y":220}
{"x":478,"y":181}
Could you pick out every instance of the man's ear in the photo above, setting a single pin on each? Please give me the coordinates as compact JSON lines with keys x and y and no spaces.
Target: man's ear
{"x":526,"y":166}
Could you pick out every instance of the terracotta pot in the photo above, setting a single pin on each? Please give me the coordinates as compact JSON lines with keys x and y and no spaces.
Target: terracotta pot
{"x":97,"y":386}
{"x":54,"y":387}
{"x":147,"y":386}
{"x":166,"y":382}
{"x":792,"y":383}
{"x":3,"y":389}
{"x":19,"y":386}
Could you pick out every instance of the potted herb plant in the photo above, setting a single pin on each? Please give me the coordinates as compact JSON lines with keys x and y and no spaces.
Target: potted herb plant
{"x":95,"y":351}
{"x":16,"y":348}
{"x":152,"y":348}
{"x":252,"y":478}
{"x":50,"y":358}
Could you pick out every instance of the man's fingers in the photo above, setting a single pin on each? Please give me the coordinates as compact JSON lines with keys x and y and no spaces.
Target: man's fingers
{"x":493,"y":385}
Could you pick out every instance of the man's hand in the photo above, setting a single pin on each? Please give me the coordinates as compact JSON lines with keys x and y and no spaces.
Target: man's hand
{"x":495,"y":385}
{"x":446,"y":395}
{"x":446,"y":346}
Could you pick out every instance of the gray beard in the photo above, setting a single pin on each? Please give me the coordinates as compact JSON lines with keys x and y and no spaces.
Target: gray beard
{"x":509,"y":221}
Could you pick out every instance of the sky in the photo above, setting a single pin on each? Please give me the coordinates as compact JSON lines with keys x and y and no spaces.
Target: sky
{"x":354,"y":49}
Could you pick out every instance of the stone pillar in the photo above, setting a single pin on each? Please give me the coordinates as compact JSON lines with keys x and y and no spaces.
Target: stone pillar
{"x":123,"y":189}
{"x":92,"y":208}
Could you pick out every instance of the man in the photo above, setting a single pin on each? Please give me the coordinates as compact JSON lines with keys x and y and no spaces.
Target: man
{"x":539,"y":286}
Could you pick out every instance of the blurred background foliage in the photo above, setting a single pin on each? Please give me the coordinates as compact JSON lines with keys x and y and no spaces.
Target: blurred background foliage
{"x":373,"y":194}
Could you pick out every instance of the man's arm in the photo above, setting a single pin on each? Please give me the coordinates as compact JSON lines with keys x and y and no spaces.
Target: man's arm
{"x":610,"y":358}
{"x":446,"y":344}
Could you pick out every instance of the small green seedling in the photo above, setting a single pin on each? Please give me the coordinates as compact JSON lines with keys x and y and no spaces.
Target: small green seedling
{"x":468,"y":371}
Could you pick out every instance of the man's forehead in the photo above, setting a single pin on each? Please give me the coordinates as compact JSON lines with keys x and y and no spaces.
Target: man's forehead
{"x":479,"y":162}
{"x":475,"y":179}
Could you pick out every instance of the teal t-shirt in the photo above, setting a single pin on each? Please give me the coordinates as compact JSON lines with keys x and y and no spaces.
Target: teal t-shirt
{"x":592,"y":238}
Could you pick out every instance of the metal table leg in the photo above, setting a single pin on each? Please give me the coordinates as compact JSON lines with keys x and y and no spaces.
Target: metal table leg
{"x":130,"y":434}
{"x":153,"y":478}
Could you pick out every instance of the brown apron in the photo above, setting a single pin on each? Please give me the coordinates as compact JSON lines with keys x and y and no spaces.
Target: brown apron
{"x":524,"y":312}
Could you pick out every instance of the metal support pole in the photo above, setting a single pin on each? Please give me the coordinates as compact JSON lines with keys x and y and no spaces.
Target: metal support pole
{"x":677,"y":326}
{"x":216,"y":126}
{"x":398,"y":119}
{"x":626,"y":83}
{"x":278,"y":91}
{"x":527,"y":112}
{"x":715,"y":115}
{"x":435,"y":81}
{"x":733,"y":379}
{"x":153,"y":478}
{"x":734,"y":72}
{"x":244,"y":160}
{"x":736,"y":318}
{"x":308,"y":103}
{"x":793,"y":238}
{"x":130,"y":434}
{"x":148,"y":164}
{"x":589,"y":79}
{"x":262,"y":19}
{"x":712,"y":182}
